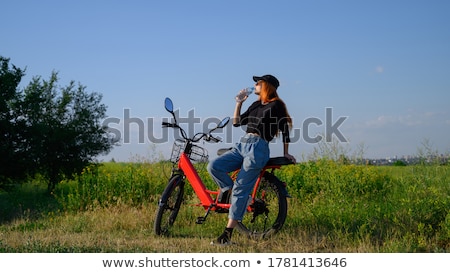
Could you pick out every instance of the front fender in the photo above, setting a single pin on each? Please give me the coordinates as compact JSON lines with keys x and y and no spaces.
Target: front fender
{"x":174,"y":181}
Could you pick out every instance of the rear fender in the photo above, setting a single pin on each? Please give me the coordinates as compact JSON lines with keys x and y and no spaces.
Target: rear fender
{"x":280,"y":184}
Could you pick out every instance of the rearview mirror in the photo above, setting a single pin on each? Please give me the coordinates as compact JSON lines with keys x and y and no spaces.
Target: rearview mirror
{"x":224,"y":122}
{"x":168,"y":105}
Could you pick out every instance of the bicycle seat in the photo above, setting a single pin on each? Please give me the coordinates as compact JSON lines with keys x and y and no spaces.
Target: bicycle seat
{"x":273,"y":161}
{"x":278,"y":161}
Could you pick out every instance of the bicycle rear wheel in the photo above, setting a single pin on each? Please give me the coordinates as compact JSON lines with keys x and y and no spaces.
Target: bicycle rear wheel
{"x":269,"y":211}
{"x":169,"y":205}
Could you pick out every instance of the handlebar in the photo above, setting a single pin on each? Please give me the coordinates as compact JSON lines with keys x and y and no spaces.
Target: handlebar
{"x":197,"y":137}
{"x":167,"y":124}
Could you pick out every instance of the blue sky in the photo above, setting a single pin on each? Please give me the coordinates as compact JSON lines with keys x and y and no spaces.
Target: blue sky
{"x":384,"y":65}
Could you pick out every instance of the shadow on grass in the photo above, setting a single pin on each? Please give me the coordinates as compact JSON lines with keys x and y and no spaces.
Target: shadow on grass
{"x":30,"y":201}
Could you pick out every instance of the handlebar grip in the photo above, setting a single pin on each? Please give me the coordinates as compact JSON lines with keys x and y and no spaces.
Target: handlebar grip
{"x":214,"y":139}
{"x":166,"y":124}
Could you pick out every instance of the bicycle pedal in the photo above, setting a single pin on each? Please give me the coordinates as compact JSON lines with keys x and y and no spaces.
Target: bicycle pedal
{"x":200,"y":220}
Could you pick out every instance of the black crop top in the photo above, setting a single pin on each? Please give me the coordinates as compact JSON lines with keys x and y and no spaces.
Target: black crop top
{"x":266,"y":120}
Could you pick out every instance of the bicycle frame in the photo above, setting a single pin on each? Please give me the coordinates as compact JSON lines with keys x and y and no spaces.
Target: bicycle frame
{"x":196,"y":182}
{"x":203,"y":193}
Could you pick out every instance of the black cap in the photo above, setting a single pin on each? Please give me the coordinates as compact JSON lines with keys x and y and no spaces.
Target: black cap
{"x":268,"y":78}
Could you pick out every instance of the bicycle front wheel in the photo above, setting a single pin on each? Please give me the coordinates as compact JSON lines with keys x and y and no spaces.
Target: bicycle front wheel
{"x":268,"y":211}
{"x":169,"y":205}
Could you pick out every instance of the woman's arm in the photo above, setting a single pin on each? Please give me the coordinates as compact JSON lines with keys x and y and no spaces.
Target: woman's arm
{"x":237,"y":114}
{"x":286,"y":152}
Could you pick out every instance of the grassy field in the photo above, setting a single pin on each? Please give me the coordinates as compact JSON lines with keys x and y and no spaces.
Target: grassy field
{"x":335,"y":208}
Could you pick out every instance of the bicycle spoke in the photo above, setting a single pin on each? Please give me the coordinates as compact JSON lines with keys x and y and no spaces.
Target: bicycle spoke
{"x":268,"y":212}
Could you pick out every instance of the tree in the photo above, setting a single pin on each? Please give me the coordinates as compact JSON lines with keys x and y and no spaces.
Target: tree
{"x":10,"y":158}
{"x":58,"y":130}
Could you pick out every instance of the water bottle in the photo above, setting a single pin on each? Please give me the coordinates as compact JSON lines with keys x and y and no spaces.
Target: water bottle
{"x":244,"y":93}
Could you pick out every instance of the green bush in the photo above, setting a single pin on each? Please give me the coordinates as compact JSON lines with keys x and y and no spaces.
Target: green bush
{"x":370,"y":202}
{"x":403,"y":209}
{"x":112,"y":184}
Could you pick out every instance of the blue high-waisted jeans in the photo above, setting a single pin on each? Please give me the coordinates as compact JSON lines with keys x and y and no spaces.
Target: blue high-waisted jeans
{"x":250,"y":155}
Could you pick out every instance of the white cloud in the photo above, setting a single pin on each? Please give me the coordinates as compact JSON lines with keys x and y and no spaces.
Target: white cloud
{"x":379,"y":69}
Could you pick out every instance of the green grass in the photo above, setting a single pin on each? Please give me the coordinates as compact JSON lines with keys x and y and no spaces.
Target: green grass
{"x":335,"y":208}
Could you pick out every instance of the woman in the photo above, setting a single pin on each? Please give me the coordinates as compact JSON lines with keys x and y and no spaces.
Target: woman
{"x":265,"y":118}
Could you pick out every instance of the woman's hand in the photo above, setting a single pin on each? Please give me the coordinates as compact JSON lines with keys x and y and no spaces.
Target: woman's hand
{"x":241,"y":96}
{"x":290,"y":157}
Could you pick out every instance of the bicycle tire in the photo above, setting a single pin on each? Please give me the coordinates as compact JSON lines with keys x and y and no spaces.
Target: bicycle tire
{"x":169,"y":205}
{"x":269,"y":210}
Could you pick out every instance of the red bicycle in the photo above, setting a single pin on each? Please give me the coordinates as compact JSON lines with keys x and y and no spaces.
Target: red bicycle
{"x":266,"y":212}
